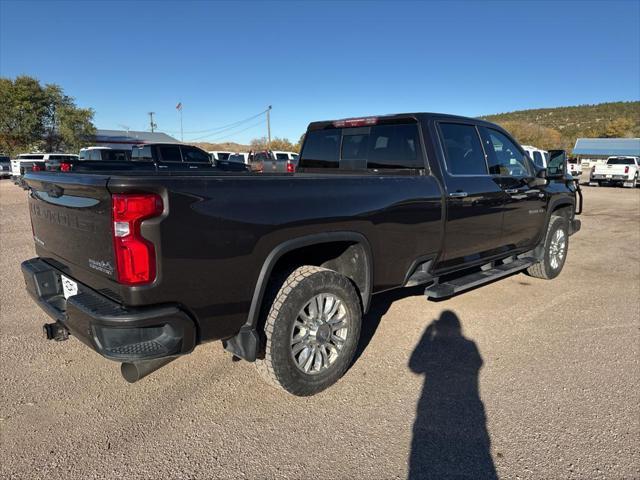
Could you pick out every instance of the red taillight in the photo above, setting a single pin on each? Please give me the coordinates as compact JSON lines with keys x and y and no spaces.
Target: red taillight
{"x":626,"y":169}
{"x":291,"y":168}
{"x":65,"y":167}
{"x":356,"y":122}
{"x":36,"y":168}
{"x":135,"y":255}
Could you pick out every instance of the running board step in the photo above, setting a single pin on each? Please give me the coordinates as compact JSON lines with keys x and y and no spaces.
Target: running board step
{"x":456,"y":285}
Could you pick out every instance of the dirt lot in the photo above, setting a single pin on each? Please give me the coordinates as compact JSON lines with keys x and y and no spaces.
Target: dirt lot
{"x":542,"y":381}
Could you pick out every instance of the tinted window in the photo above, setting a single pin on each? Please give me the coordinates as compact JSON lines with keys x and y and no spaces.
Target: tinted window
{"x":95,"y":154}
{"x":223,"y":156}
{"x":395,"y":146}
{"x":463,"y":149}
{"x":170,"y":153}
{"x":30,"y":157}
{"x":236,"y":158}
{"x":503,"y":156}
{"x":141,"y":153}
{"x":194,"y":155}
{"x":116,"y":155}
{"x":620,"y":161}
{"x":537,"y":159}
{"x":321,"y":149}
{"x":282,"y":156}
{"x":355,"y":147}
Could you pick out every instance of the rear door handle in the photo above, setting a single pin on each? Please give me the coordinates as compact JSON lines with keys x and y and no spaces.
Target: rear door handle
{"x":458,"y":194}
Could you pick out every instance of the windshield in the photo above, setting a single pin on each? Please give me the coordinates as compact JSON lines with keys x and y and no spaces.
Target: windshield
{"x":620,"y":161}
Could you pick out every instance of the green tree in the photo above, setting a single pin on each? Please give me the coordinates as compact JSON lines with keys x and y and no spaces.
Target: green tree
{"x":277,"y":143}
{"x":44,"y":118}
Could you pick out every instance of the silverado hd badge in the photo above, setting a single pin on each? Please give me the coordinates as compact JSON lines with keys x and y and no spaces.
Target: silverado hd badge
{"x":101,"y":265}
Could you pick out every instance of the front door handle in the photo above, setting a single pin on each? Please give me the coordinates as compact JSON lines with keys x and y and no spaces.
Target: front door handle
{"x":458,"y":194}
{"x":512,"y":190}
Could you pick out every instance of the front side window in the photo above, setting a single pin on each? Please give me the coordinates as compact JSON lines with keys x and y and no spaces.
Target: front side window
{"x":170,"y":153}
{"x":463,"y":149}
{"x":503,"y":156}
{"x":194,"y":155}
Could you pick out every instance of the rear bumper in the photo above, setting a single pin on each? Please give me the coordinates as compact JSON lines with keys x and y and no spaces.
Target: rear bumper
{"x":114,"y":331}
{"x":611,"y":178}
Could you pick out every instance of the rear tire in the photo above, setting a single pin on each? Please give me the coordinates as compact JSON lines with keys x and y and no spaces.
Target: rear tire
{"x":556,"y":246}
{"x":312,"y":331}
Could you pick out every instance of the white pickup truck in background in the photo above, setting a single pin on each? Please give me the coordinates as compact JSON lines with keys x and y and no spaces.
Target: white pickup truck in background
{"x":618,"y":170}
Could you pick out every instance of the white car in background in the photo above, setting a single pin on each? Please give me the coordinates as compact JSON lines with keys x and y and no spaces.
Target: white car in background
{"x":540,"y":157}
{"x":575,"y":168}
{"x":219,"y":155}
{"x":618,"y":170}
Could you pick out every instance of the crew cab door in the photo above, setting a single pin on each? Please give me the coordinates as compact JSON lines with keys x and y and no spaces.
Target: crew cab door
{"x":525,"y":207}
{"x":474,"y":201}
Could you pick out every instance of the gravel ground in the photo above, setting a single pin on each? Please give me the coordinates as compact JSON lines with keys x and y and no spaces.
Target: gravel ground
{"x":523,"y":378}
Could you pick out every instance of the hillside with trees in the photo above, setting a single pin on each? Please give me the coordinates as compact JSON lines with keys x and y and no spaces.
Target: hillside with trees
{"x":560,"y":127}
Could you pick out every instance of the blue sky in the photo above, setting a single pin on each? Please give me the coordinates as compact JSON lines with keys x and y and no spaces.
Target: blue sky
{"x":314,"y":61}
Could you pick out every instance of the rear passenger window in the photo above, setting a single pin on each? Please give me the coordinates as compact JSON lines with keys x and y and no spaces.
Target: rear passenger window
{"x":282,"y":156}
{"x":395,"y":146}
{"x":463,"y":149}
{"x":170,"y":153}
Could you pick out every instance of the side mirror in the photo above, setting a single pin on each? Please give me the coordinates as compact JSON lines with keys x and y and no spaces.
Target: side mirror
{"x":540,"y":180}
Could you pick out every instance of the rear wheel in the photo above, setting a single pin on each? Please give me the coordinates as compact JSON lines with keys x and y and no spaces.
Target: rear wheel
{"x":556,"y":245}
{"x":312,"y":331}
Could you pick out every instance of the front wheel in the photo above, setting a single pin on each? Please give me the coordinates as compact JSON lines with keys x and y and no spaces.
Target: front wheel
{"x":312,"y":331}
{"x":556,"y":245}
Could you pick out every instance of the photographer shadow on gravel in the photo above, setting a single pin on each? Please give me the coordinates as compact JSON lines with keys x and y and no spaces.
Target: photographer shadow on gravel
{"x":450,"y":438}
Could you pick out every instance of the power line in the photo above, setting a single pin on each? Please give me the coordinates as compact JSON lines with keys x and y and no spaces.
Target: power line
{"x":227,"y":136}
{"x":229,"y":126}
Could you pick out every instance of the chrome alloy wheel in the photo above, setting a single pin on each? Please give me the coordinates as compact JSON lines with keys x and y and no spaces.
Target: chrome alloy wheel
{"x":557,"y":249}
{"x":319,"y":333}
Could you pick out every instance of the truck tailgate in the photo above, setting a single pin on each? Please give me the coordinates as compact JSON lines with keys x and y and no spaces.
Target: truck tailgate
{"x":71,"y":220}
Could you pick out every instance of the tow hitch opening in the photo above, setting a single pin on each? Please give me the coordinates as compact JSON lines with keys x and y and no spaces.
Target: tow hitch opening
{"x":55,"y":331}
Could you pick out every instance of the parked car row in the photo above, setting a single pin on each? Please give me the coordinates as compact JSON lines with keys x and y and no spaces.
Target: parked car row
{"x":150,"y":156}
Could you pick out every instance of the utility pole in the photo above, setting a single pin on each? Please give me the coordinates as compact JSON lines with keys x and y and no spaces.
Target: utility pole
{"x":151,"y":124}
{"x":269,"y":128}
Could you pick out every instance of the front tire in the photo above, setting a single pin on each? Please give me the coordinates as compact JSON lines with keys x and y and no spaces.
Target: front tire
{"x":312,"y":331}
{"x":556,"y":246}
